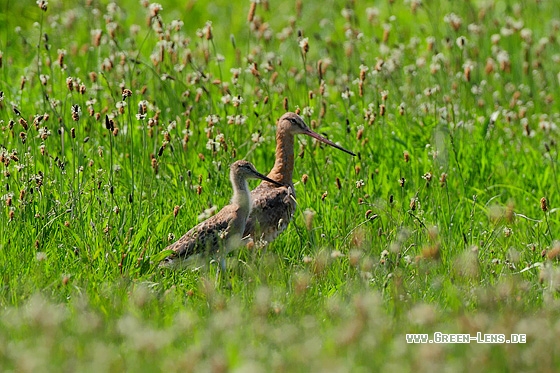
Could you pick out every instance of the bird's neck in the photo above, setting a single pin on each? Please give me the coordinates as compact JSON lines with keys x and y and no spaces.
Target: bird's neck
{"x":284,"y":164}
{"x":241,"y":194}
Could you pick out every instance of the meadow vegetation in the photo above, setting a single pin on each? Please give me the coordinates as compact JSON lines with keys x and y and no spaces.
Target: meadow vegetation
{"x":119,"y":121}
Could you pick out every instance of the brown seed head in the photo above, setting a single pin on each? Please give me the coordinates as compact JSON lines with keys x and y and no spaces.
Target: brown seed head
{"x":363,"y":74}
{"x":23,"y":123}
{"x":443,"y":179}
{"x":490,"y":66}
{"x":251,"y":14}
{"x":360,"y":134}
{"x":109,"y":123}
{"x":299,"y":6}
{"x":208,"y":31}
{"x":384,"y":95}
{"x":126,"y":93}
{"x":544,"y":205}
{"x":413,"y":203}
{"x":76,"y":112}
{"x":304,"y":45}
{"x":155,"y":166}
{"x":386,"y":32}
{"x":69,"y":84}
{"x":323,"y":109}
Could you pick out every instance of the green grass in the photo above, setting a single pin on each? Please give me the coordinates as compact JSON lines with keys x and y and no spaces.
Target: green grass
{"x":461,"y":246}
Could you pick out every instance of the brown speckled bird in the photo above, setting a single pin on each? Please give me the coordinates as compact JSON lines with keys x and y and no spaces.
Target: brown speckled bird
{"x":222,"y":232}
{"x":274,"y":205}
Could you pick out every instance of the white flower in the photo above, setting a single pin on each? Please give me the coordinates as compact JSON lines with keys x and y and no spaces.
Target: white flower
{"x":44,"y":132}
{"x":238,"y":100}
{"x":372,"y":13}
{"x":212,"y":119}
{"x":236,"y":119}
{"x":303,"y":42}
{"x":494,"y":117}
{"x":257,"y":138}
{"x":44,"y":79}
{"x":226,"y":99}
{"x":461,"y":42}
{"x":176,"y":25}
{"x":347,"y":94}
{"x":307,"y":111}
{"x":155,"y":8}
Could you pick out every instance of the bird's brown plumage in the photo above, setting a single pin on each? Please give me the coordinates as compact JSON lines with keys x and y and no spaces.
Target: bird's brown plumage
{"x":274,"y":206}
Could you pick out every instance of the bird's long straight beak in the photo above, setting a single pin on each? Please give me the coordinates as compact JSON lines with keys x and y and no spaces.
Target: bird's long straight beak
{"x":327,"y":141}
{"x":262,"y":177}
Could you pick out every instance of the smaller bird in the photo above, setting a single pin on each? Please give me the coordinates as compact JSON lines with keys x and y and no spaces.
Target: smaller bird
{"x":223,"y":232}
